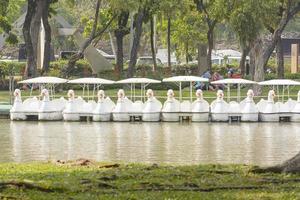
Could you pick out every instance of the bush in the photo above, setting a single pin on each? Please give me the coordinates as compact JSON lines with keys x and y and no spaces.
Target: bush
{"x":82,"y":68}
{"x":12,"y":68}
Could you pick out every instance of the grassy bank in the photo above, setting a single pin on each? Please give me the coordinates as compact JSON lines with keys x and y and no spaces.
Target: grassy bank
{"x":88,"y":180}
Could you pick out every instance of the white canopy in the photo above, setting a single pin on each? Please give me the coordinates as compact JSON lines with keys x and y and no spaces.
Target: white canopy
{"x":95,"y":81}
{"x":44,"y":80}
{"x":180,"y":79}
{"x":185,"y":79}
{"x":234,"y":81}
{"x":237,"y":81}
{"x":138,"y":80}
{"x":143,"y":81}
{"x":279,"y":82}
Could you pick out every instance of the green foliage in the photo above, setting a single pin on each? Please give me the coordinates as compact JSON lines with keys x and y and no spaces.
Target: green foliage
{"x":82,"y":68}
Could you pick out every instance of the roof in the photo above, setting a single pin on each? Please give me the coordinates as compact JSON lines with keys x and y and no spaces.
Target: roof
{"x":91,"y":81}
{"x":44,"y":80}
{"x":185,"y":79}
{"x":233,"y":81}
{"x":279,"y":82}
{"x":227,"y":52}
{"x":138,"y":80}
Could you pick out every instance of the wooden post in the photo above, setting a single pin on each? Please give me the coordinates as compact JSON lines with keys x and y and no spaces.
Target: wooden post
{"x":294,"y":58}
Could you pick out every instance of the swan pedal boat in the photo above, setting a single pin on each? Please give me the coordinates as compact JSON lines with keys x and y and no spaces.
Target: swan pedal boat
{"x":219,"y":108}
{"x":152,"y":108}
{"x":200,"y":108}
{"x":268,"y":111}
{"x":171,"y":108}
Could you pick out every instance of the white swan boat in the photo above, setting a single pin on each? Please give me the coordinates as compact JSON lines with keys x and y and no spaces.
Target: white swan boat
{"x":50,"y":110}
{"x":268,"y":111}
{"x":219,"y":108}
{"x":17,"y":110}
{"x":200,"y":108}
{"x":171,"y":108}
{"x":104,"y":107}
{"x":152,"y":108}
{"x":72,"y":109}
{"x":122,"y":110}
{"x":249,"y":109}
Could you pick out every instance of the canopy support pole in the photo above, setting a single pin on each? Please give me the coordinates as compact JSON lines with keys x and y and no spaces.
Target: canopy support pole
{"x":239,"y":93}
{"x":134,"y":91}
{"x":88,"y":91}
{"x":142,"y":91}
{"x":191,"y":91}
{"x":180,"y":92}
{"x":282,"y":93}
{"x":31,"y":88}
{"x":83,"y":91}
{"x":228,"y":93}
{"x":131,"y":91}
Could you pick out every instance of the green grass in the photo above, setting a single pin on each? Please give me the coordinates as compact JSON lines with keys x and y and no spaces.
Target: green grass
{"x":161,"y":94}
{"x":141,"y":181}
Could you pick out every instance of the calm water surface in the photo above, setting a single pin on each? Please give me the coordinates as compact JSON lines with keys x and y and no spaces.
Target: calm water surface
{"x":179,"y":143}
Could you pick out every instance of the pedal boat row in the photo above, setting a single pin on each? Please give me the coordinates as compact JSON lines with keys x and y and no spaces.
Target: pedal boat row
{"x":126,"y":109}
{"x":152,"y":110}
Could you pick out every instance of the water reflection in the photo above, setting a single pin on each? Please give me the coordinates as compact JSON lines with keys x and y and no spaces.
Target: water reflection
{"x":181,"y":143}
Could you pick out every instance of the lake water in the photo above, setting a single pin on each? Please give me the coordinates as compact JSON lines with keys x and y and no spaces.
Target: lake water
{"x":176,"y":143}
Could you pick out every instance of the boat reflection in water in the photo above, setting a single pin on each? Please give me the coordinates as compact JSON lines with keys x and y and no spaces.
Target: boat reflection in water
{"x":180,"y":143}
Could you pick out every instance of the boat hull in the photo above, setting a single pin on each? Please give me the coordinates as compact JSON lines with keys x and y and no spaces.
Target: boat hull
{"x":151,"y":117}
{"x":249,"y":117}
{"x":170,"y":117}
{"x":105,"y":117}
{"x":200,"y":117}
{"x":219,"y":117}
{"x":50,"y":116}
{"x":121,"y":117}
{"x":295,"y":117}
{"x":269,"y":117}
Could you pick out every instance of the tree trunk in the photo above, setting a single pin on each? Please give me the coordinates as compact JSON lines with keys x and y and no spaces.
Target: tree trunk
{"x":35,"y":30}
{"x":202,"y":58}
{"x":259,"y":63}
{"x":187,"y":52}
{"x":245,"y":52}
{"x":47,"y":52}
{"x":120,"y":33}
{"x":31,"y":62}
{"x":290,"y":166}
{"x":280,"y":59}
{"x":120,"y":56}
{"x":136,"y":42}
{"x":152,"y":43}
{"x":210,"y":39}
{"x":169,"y":42}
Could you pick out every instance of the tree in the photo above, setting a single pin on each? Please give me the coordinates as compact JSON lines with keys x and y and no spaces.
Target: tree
{"x":189,"y":31}
{"x":213,"y":12}
{"x":120,"y":32}
{"x":31,"y":62}
{"x":138,"y":24}
{"x":38,"y":12}
{"x":95,"y":32}
{"x":246,"y":21}
{"x":5,"y":22}
{"x":169,"y":8}
{"x":290,"y":9}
